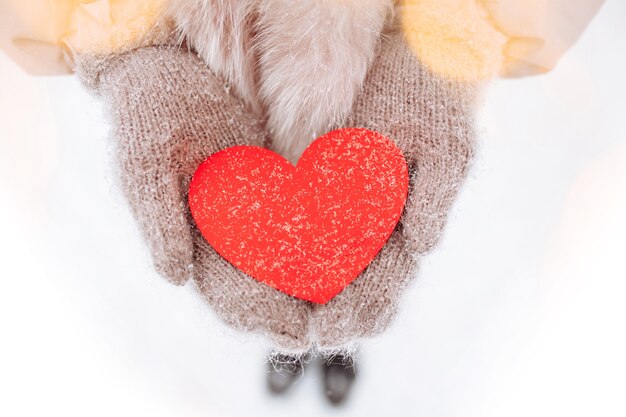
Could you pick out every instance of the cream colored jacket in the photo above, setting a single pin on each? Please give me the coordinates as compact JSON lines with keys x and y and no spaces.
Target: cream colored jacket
{"x":41,"y":36}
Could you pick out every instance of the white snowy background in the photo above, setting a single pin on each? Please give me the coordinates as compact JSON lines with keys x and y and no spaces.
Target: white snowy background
{"x":521,"y":311}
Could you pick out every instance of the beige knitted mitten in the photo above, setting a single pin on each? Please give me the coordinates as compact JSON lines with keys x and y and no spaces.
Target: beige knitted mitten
{"x":169,"y":113}
{"x":431,"y":121}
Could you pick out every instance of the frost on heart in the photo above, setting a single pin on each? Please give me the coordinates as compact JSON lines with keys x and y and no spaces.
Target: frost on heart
{"x":307,"y":230}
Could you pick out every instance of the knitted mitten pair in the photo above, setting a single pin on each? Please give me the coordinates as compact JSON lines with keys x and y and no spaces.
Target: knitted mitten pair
{"x":169,"y":113}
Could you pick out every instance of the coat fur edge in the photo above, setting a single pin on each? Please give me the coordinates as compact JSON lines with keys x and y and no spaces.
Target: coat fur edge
{"x":298,"y":64}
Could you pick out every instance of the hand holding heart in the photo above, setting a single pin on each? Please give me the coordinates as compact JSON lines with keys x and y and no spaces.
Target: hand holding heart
{"x":308,"y":230}
{"x":171,"y":113}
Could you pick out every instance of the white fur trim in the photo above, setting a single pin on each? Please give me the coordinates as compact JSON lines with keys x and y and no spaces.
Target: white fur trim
{"x":302,"y":62}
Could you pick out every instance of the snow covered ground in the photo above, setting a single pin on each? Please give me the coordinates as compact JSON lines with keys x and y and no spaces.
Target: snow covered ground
{"x":520,"y":311}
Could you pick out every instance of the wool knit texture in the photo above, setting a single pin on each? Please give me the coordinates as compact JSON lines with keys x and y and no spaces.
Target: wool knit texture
{"x":169,"y":112}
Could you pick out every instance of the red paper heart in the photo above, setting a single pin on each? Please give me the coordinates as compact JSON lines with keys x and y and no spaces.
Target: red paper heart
{"x":306,"y":230}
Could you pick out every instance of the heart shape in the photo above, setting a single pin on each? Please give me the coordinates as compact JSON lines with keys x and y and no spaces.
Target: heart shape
{"x":307,"y":230}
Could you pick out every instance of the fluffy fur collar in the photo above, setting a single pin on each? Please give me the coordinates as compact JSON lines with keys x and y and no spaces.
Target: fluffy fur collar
{"x":298,"y":64}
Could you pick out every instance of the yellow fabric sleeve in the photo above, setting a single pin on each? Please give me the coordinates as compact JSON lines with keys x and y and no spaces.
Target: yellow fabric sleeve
{"x":42,"y":35}
{"x":482,"y":39}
